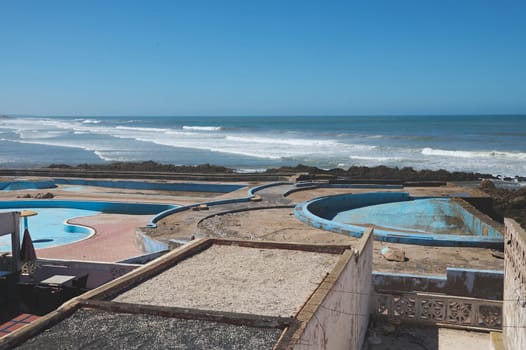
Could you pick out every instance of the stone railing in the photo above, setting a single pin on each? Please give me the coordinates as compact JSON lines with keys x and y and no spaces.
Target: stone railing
{"x":514,"y":286}
{"x":425,"y":308}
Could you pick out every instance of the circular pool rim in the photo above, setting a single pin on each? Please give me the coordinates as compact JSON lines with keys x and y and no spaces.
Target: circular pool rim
{"x":308,"y":212}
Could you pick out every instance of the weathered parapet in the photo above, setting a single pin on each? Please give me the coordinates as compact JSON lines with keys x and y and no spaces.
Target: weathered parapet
{"x":514,"y":327}
{"x":439,"y":309}
{"x":337,"y":314}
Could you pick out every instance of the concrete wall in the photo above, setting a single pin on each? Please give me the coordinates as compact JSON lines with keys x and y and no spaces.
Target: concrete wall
{"x":99,"y":273}
{"x":478,"y":223}
{"x":514,"y":311}
{"x":484,"y":284}
{"x":340,"y":318}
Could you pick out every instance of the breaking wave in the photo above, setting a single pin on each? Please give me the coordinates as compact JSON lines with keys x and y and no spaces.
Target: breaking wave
{"x":203,"y":128}
{"x":473,"y":154}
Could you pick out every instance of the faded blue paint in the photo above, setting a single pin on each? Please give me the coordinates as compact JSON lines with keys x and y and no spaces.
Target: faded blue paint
{"x":25,"y":185}
{"x":105,"y":207}
{"x":151,"y":245}
{"x":252,"y":191}
{"x":431,"y":215}
{"x":321,"y":212}
{"x":135,"y":185}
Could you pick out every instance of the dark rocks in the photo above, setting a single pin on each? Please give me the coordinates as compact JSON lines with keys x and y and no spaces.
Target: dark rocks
{"x":508,"y":202}
{"x":47,"y":195}
{"x":487,"y":184}
{"x":148,"y":166}
{"x":380,"y":173}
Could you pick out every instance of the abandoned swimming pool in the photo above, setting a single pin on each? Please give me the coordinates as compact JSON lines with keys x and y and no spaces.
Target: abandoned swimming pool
{"x":50,"y":227}
{"x":77,"y":185}
{"x":399,"y":218}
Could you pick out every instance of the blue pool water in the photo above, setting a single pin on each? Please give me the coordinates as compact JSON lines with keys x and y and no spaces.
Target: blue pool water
{"x":49,"y":227}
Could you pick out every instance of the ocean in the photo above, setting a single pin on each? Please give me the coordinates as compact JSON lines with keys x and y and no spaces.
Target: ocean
{"x":488,"y":144}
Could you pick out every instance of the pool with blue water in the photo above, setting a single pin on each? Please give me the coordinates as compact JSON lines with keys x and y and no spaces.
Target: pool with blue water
{"x":50,"y":228}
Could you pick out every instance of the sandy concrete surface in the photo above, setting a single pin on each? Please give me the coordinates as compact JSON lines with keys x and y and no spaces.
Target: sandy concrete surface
{"x":281,"y":225}
{"x":272,"y":282}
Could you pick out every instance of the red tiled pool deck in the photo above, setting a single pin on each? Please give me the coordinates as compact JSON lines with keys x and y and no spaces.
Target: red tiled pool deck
{"x":114,"y":239}
{"x":16,"y":323}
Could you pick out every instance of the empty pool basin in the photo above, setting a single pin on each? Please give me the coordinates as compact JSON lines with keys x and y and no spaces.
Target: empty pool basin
{"x":399,"y":218}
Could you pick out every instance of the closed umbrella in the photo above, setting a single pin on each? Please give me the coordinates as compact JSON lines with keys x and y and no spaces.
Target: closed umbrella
{"x":27,"y":253}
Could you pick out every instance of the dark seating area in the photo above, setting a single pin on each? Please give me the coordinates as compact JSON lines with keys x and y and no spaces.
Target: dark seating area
{"x":21,"y":294}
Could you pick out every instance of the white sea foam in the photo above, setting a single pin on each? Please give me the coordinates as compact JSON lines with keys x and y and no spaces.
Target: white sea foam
{"x":283,"y":141}
{"x":90,"y":121}
{"x":134,"y":128}
{"x":376,"y":158}
{"x":473,"y":154}
{"x":202,"y":128}
{"x":101,"y":155}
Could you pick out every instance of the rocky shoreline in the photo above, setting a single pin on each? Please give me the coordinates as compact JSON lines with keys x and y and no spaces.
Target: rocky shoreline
{"x":354,"y":172}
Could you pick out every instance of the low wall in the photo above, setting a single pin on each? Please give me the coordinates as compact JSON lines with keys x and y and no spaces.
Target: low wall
{"x":433,"y":309}
{"x":337,"y":315}
{"x":484,"y":284}
{"x":514,"y":328}
{"x":478,"y":223}
{"x":99,"y":273}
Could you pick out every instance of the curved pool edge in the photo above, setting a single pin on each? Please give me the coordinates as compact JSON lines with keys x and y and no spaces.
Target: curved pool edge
{"x":111,"y":207}
{"x":251,"y":193}
{"x":303,"y":212}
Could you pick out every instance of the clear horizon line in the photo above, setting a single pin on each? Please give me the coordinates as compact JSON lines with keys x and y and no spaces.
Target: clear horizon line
{"x":263,"y":115}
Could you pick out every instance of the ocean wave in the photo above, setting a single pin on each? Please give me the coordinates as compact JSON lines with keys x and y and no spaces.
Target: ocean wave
{"x":135,"y":128}
{"x":105,"y":158}
{"x":473,"y":154}
{"x":90,"y":121}
{"x":210,"y":147}
{"x":292,"y":142}
{"x":202,"y":128}
{"x":379,"y":159}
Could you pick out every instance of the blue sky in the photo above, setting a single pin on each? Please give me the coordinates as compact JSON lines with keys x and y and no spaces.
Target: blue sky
{"x":262,"y":57}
